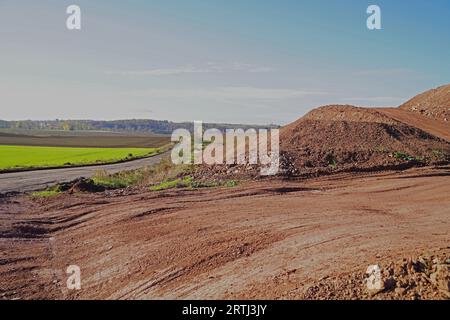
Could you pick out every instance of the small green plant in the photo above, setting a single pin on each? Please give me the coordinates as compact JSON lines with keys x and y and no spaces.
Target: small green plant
{"x":185,"y":182}
{"x":118,"y":180}
{"x":403,"y":156}
{"x":231,"y":183}
{"x":406,"y":157}
{"x":44,"y":194}
{"x":333,"y":164}
{"x":190,"y":183}
{"x":51,"y":192}
{"x":331,"y":160}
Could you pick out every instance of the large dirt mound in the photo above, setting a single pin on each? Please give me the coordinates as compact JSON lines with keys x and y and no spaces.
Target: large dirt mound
{"x":347,"y":113}
{"x":339,"y":138}
{"x":334,"y":138}
{"x":434,"y":103}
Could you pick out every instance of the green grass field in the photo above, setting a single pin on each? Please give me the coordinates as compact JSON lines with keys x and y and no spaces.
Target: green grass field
{"x":28,"y":157}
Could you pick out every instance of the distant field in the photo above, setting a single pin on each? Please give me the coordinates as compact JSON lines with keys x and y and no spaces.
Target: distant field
{"x":65,"y":133}
{"x":29,"y":157}
{"x":80,"y":139}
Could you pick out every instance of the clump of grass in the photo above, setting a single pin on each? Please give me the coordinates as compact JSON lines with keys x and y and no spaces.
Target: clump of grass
{"x":51,"y":192}
{"x":166,"y":170}
{"x":118,"y":180}
{"x":190,"y":183}
{"x":161,"y":172}
{"x":231,"y":183}
{"x":332,"y":163}
{"x":44,"y":194}
{"x":403,"y":156}
{"x":406,"y":157}
{"x":186,"y":182}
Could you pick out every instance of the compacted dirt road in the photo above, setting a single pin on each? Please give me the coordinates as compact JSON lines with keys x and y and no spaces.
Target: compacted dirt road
{"x":266,"y":239}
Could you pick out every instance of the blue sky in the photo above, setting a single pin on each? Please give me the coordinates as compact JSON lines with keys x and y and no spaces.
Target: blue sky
{"x":244,"y":61}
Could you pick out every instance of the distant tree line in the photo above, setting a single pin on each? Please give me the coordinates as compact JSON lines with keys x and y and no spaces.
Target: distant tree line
{"x":135,"y":125}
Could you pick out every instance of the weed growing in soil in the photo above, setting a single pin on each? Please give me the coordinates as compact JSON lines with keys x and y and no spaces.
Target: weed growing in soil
{"x":406,"y":157}
{"x":332,"y":163}
{"x":47,"y":193}
{"x":231,"y":184}
{"x":185,"y":182}
{"x":190,"y":183}
{"x":118,"y":180}
{"x":159,"y":173}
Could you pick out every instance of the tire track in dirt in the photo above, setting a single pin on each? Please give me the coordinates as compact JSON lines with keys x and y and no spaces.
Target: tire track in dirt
{"x":267,"y":239}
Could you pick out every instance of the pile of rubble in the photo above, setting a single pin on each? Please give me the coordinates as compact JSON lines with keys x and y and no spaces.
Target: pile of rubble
{"x":424,"y":278}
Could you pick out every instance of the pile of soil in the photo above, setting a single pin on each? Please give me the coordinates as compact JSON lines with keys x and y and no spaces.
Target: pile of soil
{"x":346,"y":113}
{"x":336,"y":138}
{"x":424,"y":277}
{"x":219,"y":174}
{"x":81,"y":185}
{"x":434,"y":104}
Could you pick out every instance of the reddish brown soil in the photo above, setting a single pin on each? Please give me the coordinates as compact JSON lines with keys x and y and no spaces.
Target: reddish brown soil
{"x":437,"y":128}
{"x":345,"y":113}
{"x":434,"y":104}
{"x":266,"y":239}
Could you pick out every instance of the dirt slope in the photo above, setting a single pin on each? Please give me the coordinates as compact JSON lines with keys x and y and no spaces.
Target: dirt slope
{"x":270,"y":239}
{"x":434,"y":104}
{"x":437,"y":128}
{"x":346,"y":137}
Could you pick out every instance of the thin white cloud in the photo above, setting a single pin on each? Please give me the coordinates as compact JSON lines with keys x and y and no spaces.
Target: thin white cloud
{"x":210,"y":67}
{"x":226,"y":93}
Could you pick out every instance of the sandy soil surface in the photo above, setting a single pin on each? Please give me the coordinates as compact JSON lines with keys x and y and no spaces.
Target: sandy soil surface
{"x":267,"y":239}
{"x":40,"y":179}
